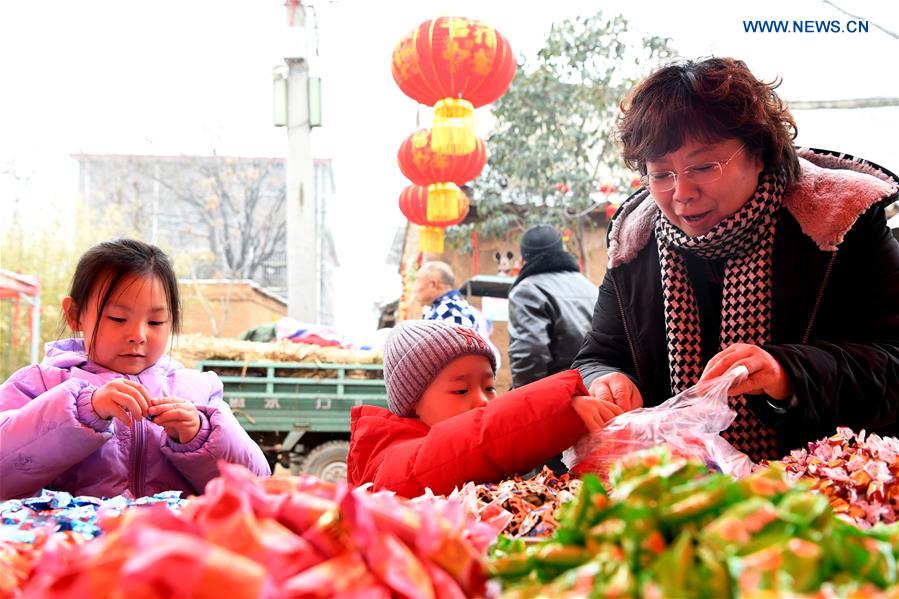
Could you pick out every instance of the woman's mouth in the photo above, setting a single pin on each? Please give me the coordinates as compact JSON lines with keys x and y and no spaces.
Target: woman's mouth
{"x":695,"y":218}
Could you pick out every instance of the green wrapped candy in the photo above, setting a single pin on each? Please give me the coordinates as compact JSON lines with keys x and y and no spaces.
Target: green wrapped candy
{"x":616,"y":580}
{"x":637,"y":464}
{"x":510,"y":566}
{"x":579,"y":581}
{"x":611,"y":530}
{"x":668,"y":531}
{"x":710,"y":577}
{"x":658,"y":480}
{"x":867,"y":557}
{"x":736,"y":526}
{"x":805,"y":510}
{"x":758,"y":571}
{"x":576,"y":517}
{"x":562,"y":555}
{"x":803,"y":561}
{"x":672,"y":570}
{"x":769,"y":482}
{"x":695,"y":505}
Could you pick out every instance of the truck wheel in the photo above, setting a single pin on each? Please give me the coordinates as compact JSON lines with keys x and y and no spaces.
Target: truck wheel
{"x":327,"y":461}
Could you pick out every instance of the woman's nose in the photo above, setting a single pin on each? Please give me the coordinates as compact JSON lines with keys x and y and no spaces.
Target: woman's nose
{"x":684,"y":191}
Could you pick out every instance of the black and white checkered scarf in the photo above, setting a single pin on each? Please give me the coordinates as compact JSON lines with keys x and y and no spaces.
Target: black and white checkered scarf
{"x":746,"y":240}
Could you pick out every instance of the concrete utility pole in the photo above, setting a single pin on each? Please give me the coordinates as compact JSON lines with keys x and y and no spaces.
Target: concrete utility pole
{"x":302,"y":233}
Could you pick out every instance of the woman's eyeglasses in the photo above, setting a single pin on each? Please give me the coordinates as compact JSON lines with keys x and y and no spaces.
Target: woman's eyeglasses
{"x":697,"y":174}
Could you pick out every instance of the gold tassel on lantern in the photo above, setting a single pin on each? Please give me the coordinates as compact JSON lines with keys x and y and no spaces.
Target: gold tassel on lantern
{"x":443,"y":201}
{"x":453,"y":129}
{"x":430,"y":240}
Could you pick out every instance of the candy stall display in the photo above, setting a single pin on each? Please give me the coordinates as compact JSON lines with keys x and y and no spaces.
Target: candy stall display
{"x":821,"y":522}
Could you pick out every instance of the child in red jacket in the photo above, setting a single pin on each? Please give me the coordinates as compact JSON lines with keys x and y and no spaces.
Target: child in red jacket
{"x":446,"y":427}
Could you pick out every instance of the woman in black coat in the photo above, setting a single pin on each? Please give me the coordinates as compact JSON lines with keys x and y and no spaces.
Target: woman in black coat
{"x":741,"y":249}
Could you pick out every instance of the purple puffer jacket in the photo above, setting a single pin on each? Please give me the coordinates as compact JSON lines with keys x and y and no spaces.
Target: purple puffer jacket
{"x":51,"y":437}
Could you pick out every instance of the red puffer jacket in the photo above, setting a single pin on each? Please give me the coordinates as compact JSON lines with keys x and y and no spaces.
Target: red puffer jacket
{"x":512,"y":434}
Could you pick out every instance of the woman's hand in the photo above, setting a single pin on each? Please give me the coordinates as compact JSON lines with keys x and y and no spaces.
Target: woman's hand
{"x":123,"y":399}
{"x":618,"y":389}
{"x":595,"y":412}
{"x":178,"y":417}
{"x":766,"y":375}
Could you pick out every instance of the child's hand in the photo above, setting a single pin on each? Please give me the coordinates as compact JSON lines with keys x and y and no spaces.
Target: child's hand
{"x":595,"y":412}
{"x":178,"y":417}
{"x":123,"y":399}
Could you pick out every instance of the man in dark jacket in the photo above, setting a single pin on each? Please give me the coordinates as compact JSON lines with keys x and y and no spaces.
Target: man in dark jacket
{"x":550,"y":307}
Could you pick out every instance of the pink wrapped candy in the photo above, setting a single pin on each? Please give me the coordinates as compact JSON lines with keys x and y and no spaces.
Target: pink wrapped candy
{"x":858,"y":473}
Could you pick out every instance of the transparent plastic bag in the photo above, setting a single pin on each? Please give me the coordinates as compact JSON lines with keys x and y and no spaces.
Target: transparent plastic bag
{"x":689,"y":423}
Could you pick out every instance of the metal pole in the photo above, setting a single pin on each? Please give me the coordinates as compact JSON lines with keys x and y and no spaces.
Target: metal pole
{"x":35,"y":327}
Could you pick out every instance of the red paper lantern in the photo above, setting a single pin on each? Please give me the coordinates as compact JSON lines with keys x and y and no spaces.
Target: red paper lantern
{"x":607,"y":188}
{"x":414,"y":206}
{"x":441,"y":173}
{"x":456,"y":65}
{"x":423,"y":166}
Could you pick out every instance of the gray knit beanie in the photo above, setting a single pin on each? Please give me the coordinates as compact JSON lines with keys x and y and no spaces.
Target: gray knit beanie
{"x":417,"y":350}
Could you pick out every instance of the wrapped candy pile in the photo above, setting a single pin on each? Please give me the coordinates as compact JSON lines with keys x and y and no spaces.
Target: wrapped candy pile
{"x":532,"y":502}
{"x":55,"y":519}
{"x":672,"y":529}
{"x":858,"y":474}
{"x":57,"y":511}
{"x":276,"y":537}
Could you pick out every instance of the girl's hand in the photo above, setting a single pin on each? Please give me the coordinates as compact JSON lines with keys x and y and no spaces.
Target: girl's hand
{"x":123,"y":399}
{"x":595,"y":412}
{"x":766,"y":375}
{"x":177,"y":416}
{"x":618,"y":389}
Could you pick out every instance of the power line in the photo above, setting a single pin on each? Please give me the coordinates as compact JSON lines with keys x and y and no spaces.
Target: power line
{"x":849,"y":103}
{"x":887,"y":31}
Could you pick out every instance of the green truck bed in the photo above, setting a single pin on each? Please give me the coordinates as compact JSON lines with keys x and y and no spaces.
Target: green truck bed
{"x":293,"y":408}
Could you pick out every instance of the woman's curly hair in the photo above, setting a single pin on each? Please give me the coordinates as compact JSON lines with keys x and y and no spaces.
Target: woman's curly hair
{"x":706,"y":100}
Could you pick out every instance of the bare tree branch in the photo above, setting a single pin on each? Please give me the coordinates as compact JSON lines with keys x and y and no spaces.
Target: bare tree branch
{"x":235,"y":207}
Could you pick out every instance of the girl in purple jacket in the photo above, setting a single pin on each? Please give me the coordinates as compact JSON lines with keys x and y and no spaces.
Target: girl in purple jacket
{"x":110,"y":414}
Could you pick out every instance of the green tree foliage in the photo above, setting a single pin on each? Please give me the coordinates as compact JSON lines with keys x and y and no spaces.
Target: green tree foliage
{"x":48,"y":248}
{"x":552,"y":148}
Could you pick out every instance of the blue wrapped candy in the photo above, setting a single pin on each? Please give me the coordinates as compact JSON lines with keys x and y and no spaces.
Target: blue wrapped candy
{"x":56,"y":511}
